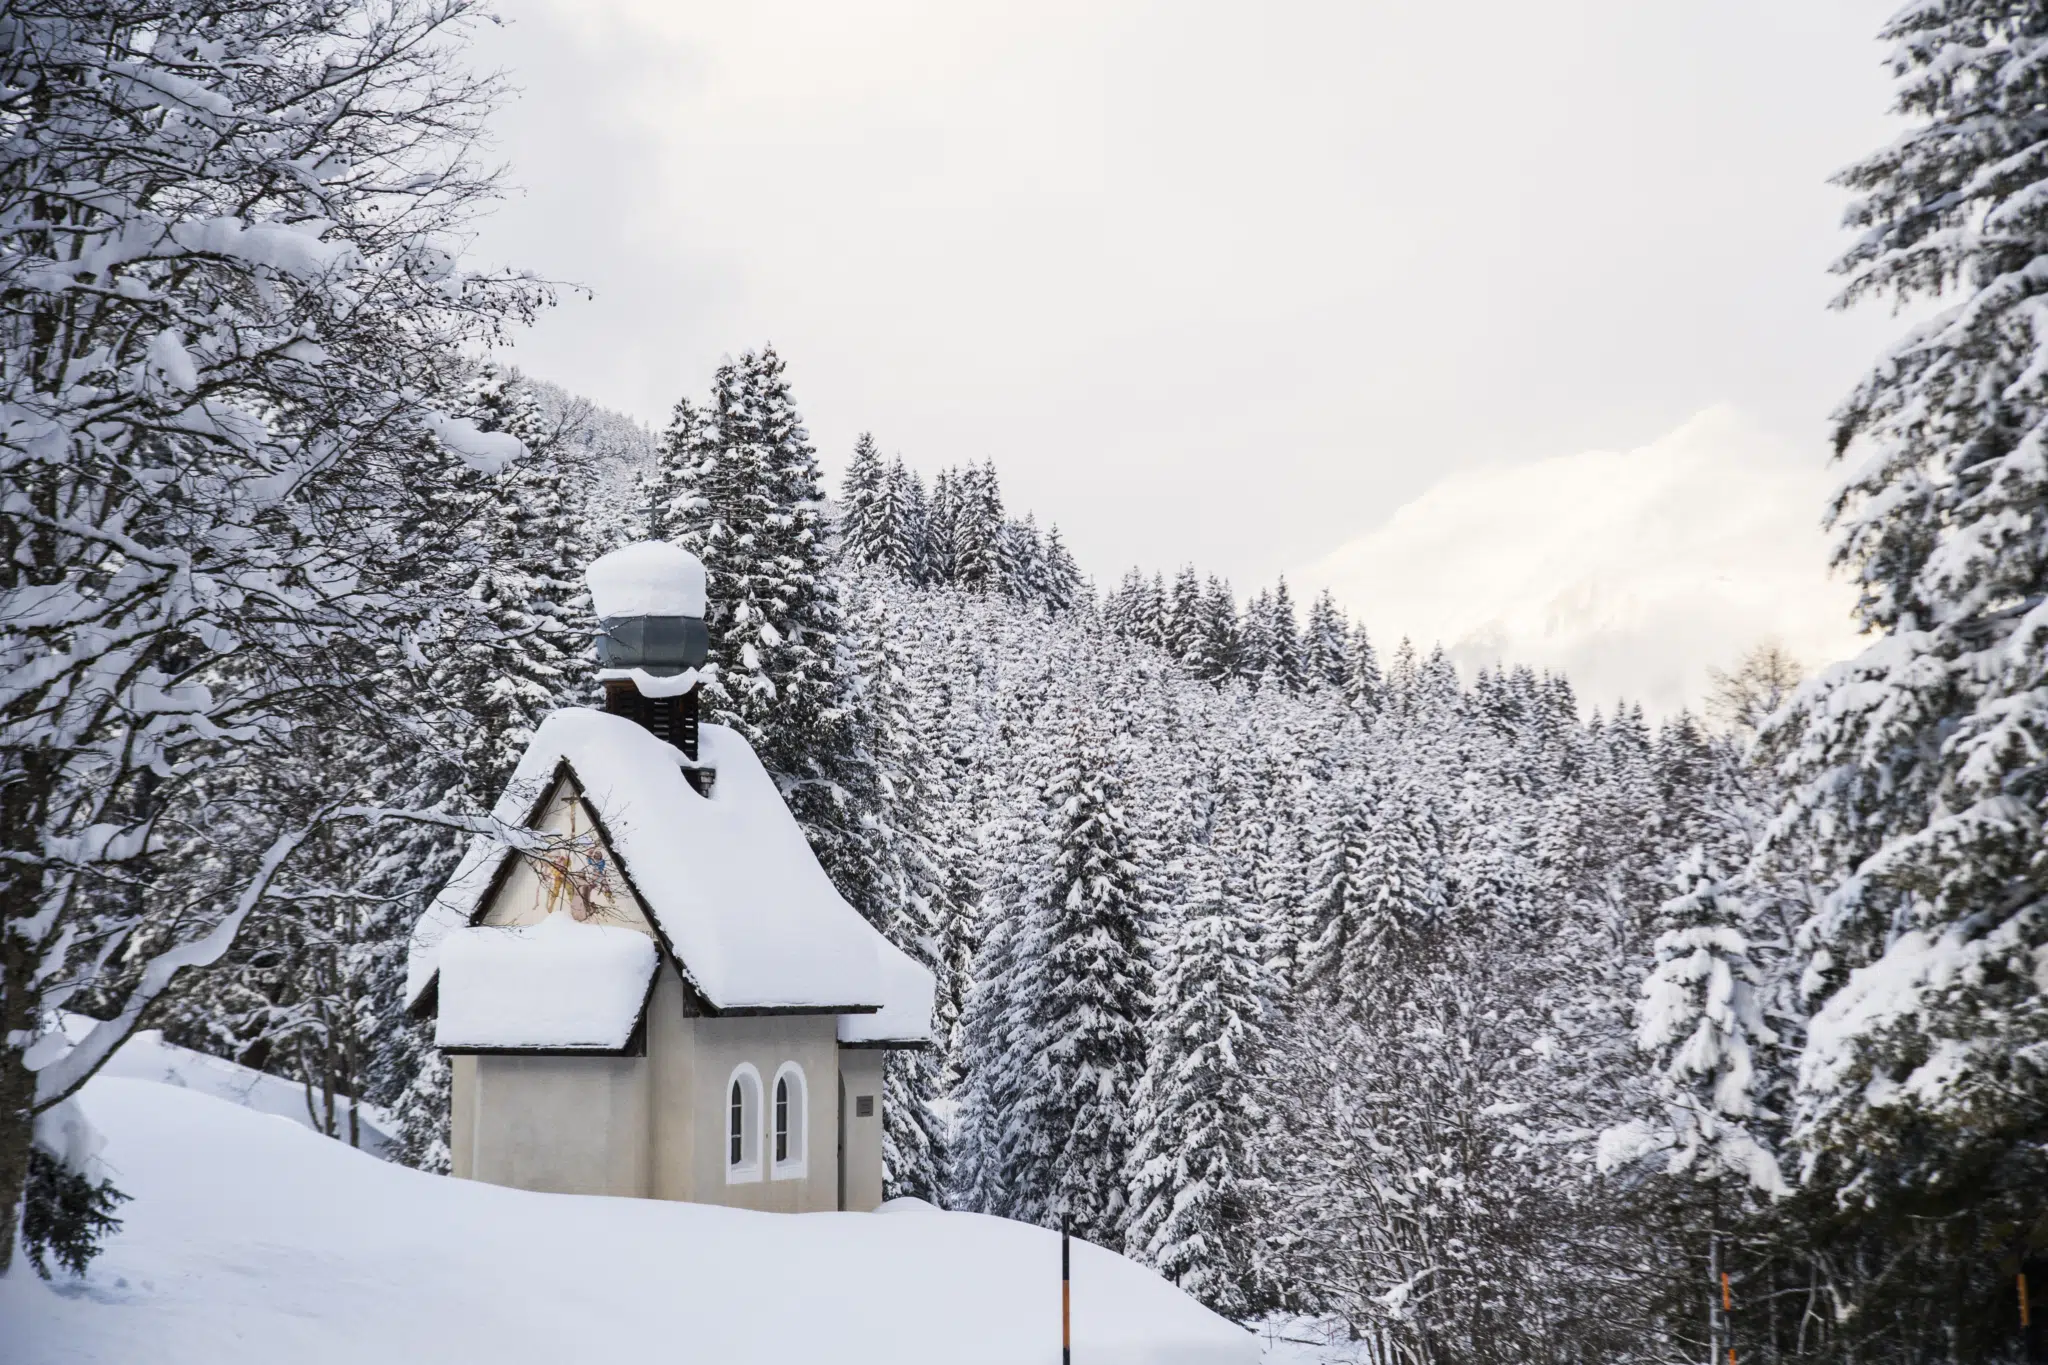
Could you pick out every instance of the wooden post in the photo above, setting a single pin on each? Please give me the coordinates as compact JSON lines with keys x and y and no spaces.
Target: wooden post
{"x":2026,"y":1320}
{"x":1728,"y":1316}
{"x":1066,"y":1296}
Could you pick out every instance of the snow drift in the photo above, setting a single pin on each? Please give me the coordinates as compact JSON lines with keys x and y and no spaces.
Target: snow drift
{"x":251,"y":1240}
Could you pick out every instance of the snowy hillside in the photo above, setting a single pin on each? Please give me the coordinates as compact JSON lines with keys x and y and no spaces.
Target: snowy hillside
{"x":147,"y":1057}
{"x":255,"y":1240}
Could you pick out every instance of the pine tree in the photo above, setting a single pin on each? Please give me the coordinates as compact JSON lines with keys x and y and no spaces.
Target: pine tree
{"x":1213,"y":641}
{"x":907,"y":489}
{"x":1255,"y":643}
{"x":980,"y":534}
{"x":1133,"y":610}
{"x":1325,"y":643}
{"x":911,"y":886}
{"x":1702,"y":1019}
{"x":1364,"y":688}
{"x":942,"y":531}
{"x":784,"y":675}
{"x":1086,"y":1021}
{"x":1182,"y":622}
{"x":863,"y":519}
{"x":1288,"y":660}
{"x":1063,"y":589}
{"x":527,"y":657}
{"x":1919,"y":782}
{"x":664,"y":506}
{"x":1023,"y":562}
{"x":1196,"y":1186}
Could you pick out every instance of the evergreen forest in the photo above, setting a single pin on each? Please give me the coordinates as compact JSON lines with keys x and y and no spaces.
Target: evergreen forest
{"x":1445,"y":1015}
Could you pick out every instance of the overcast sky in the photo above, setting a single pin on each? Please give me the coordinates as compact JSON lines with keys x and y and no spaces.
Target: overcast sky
{"x":1507,"y":321}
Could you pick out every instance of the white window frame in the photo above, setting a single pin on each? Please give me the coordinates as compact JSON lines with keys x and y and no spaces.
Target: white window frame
{"x":747,"y":1169}
{"x":797,"y":1165}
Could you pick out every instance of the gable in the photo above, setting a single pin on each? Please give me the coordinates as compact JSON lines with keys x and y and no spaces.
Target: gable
{"x":584,"y":876}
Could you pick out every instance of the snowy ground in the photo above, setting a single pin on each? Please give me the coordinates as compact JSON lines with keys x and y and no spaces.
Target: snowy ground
{"x":147,"y":1057}
{"x":253,"y":1240}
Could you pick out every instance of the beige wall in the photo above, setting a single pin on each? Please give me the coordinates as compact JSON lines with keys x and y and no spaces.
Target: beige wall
{"x":656,"y":1125}
{"x":861,"y":1070}
{"x":570,"y":1125}
{"x":716,"y":1048}
{"x":462,"y":1116}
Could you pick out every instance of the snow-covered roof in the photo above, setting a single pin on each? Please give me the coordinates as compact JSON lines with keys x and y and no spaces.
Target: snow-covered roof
{"x":555,"y":984}
{"x":728,"y":880}
{"x":648,"y":578}
{"x":906,"y":1014}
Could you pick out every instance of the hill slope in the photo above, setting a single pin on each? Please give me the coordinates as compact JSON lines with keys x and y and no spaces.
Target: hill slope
{"x":252,"y":1239}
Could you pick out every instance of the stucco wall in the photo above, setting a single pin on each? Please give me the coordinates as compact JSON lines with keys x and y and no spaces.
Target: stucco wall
{"x":861,"y":1071}
{"x":462,"y":1116}
{"x":571,"y":1125}
{"x":718,"y":1047}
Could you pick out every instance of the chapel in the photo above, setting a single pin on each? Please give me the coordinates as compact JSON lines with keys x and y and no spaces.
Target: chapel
{"x":655,"y":990}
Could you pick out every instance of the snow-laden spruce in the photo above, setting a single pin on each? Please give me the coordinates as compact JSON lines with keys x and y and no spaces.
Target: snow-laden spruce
{"x":1923,"y":1085}
{"x":235,"y":319}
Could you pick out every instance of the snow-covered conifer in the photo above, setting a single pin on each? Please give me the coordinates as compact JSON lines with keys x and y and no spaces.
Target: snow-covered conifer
{"x":1196,"y":1184}
{"x":1086,"y":1021}
{"x":231,"y":347}
{"x":1364,"y":689}
{"x":1062,"y":587}
{"x":1325,"y":642}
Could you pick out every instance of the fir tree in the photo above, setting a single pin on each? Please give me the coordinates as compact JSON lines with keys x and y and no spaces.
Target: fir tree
{"x":908,"y":491}
{"x":664,"y":500}
{"x":1086,"y":1021}
{"x":784,"y":676}
{"x":1287,"y":659}
{"x":980,"y":534}
{"x":863,"y":521}
{"x":1364,"y":688}
{"x":912,"y":890}
{"x":1062,"y":588}
{"x":1325,"y":643}
{"x":1196,"y":1187}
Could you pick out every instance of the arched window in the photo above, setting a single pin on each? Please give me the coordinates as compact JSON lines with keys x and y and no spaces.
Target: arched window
{"x":743,"y":1125}
{"x":791,"y":1122}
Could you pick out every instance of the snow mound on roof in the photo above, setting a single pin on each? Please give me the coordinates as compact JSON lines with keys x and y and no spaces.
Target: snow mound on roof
{"x":556,"y":984}
{"x":909,"y":994}
{"x":251,"y":1241}
{"x":728,"y":879}
{"x":648,"y":578}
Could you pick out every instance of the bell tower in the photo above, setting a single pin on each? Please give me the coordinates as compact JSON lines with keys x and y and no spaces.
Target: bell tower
{"x":652,"y":641}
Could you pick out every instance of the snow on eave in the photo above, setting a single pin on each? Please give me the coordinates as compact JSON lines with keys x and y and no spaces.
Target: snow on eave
{"x":906,"y":1020}
{"x":558,"y":986}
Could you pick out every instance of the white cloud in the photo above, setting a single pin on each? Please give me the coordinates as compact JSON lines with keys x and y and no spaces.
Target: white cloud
{"x":1633,"y":572}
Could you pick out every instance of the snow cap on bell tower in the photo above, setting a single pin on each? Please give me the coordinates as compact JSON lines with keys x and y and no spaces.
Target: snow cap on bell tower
{"x":647,"y":578}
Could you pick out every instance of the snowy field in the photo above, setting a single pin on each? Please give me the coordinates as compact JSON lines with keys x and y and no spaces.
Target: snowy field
{"x":254,"y":1241}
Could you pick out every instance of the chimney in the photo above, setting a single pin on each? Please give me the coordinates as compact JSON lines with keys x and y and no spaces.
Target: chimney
{"x":651,"y":639}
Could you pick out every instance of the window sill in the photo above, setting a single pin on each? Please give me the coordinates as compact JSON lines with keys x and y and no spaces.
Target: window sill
{"x":747,"y":1174}
{"x":788,"y":1170}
